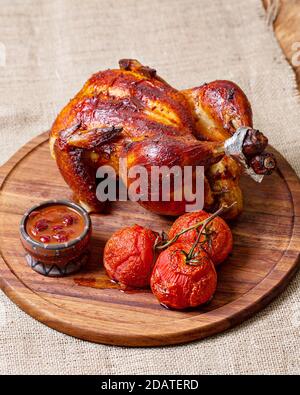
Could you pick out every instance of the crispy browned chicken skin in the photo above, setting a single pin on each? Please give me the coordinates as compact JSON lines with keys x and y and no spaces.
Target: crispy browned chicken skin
{"x":132,"y":113}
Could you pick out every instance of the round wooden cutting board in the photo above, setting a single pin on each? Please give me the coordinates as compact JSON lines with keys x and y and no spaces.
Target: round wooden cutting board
{"x":87,"y":305}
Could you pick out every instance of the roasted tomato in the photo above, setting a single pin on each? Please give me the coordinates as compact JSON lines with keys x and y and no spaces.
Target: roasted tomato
{"x":129,"y":256}
{"x":179,"y":283}
{"x":218,"y":234}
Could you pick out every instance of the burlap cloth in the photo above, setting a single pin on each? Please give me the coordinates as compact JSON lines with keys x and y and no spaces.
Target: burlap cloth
{"x":51,"y":49}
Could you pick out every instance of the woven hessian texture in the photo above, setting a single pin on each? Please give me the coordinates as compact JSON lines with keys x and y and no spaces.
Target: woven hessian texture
{"x":51,"y":49}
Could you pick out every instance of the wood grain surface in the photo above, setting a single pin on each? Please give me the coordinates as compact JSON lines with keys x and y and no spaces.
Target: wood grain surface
{"x":87,"y":305}
{"x":287,"y":29}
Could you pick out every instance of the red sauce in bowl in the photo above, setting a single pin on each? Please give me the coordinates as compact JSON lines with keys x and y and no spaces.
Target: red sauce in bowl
{"x":55,"y":224}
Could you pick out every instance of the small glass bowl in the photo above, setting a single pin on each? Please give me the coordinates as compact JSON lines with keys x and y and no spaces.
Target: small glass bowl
{"x":57,"y":260}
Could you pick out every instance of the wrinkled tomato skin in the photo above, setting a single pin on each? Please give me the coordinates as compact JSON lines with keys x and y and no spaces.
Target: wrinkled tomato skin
{"x":178,"y":285}
{"x":221,"y":238}
{"x":129,"y":256}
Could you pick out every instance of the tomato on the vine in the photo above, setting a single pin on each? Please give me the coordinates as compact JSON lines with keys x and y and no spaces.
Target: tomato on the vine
{"x":129,"y":256}
{"x":179,"y":281}
{"x":216,"y":240}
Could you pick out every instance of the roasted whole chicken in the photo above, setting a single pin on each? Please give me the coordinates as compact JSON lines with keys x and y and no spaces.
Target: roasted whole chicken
{"x":132,"y":113}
